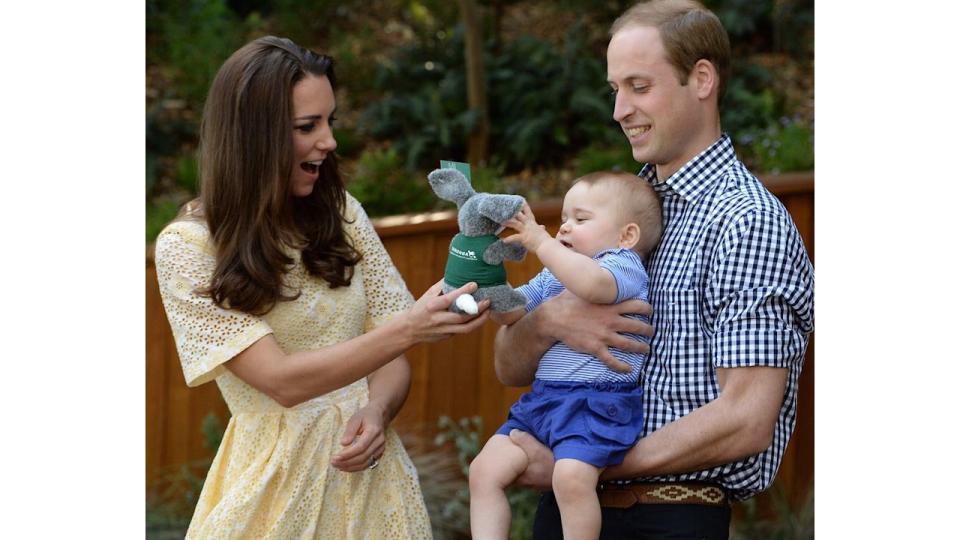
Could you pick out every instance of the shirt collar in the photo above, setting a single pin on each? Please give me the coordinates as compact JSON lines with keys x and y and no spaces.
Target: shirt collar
{"x":693,"y":179}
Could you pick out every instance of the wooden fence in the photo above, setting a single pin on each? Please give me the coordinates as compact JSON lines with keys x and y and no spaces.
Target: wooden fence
{"x":455,"y":377}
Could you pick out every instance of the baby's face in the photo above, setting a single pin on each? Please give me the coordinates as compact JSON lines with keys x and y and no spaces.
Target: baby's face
{"x":590,"y":219}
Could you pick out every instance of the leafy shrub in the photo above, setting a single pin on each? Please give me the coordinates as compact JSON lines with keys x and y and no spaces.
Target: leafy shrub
{"x":606,"y":158}
{"x":545,"y":101}
{"x":385,"y":186}
{"x":423,"y":109}
{"x":783,"y":146}
{"x":551,"y":100}
{"x":349,"y":143}
{"x":750,"y":103}
{"x":173,"y":496}
{"x":158,"y":215}
{"x":188,"y":172}
{"x":788,"y":521}
{"x":168,"y":130}
{"x":194,"y":37}
{"x":486,"y":180}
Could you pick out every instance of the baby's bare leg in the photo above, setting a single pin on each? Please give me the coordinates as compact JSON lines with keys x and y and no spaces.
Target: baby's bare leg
{"x":575,"y":487}
{"x":496,"y":467}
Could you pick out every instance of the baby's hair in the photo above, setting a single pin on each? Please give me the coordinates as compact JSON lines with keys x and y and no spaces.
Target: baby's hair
{"x":637,"y":201}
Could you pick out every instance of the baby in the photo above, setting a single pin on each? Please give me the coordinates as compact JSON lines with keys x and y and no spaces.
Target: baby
{"x":588,"y":414}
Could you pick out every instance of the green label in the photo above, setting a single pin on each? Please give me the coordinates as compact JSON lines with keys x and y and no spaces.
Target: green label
{"x":464,"y":168}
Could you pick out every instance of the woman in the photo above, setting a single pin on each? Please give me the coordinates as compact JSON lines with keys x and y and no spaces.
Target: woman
{"x":277,"y":287}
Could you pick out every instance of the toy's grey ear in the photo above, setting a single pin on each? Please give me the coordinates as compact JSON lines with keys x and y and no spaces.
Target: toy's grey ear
{"x":500,"y":208}
{"x":451,"y":185}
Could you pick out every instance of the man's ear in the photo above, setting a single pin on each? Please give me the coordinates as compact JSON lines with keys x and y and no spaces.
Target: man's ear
{"x":705,"y":77}
{"x":629,"y":235}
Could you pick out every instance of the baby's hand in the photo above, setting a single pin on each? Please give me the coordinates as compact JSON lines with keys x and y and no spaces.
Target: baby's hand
{"x":529,"y":233}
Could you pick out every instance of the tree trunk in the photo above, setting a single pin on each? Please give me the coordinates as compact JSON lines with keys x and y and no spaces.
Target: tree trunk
{"x":476,"y":82}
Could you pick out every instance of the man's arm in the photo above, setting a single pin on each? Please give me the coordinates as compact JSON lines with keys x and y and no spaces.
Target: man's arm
{"x":518,"y":347}
{"x":588,"y":328}
{"x":739,"y":423}
{"x":507,"y":318}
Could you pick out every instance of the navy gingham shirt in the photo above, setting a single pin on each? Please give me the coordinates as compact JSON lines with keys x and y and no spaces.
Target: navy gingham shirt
{"x":731,"y":286}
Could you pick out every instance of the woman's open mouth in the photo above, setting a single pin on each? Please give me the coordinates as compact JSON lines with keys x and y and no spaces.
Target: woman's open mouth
{"x":311,"y":167}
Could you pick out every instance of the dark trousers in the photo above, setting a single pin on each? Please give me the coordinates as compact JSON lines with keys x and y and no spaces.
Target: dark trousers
{"x":642,"y":521}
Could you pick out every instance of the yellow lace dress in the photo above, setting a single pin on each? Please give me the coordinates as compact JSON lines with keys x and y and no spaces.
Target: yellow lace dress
{"x":271,"y":477}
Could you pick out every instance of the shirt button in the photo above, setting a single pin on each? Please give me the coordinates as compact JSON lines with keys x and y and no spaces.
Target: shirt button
{"x":612,"y":411}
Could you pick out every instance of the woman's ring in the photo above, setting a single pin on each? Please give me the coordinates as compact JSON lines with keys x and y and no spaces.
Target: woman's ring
{"x":373,"y":463}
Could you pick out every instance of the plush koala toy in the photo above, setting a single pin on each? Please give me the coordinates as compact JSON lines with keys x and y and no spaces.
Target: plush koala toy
{"x":476,"y":254}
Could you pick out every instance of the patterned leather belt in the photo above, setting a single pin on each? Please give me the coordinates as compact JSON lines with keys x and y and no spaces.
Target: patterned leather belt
{"x":626,"y":495}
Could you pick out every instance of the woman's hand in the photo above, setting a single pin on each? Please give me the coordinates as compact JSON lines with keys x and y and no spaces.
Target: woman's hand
{"x":529,"y":233}
{"x":364,"y":440}
{"x":429,"y":319}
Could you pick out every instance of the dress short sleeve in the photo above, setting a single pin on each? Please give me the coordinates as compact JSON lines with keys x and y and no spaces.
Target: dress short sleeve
{"x":206,"y":335}
{"x":386,"y":292}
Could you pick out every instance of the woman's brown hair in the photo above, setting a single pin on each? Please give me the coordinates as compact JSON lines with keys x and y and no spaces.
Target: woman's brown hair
{"x":246,"y":155}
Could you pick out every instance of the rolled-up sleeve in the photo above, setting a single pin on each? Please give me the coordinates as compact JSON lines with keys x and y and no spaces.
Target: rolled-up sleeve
{"x":760,"y":295}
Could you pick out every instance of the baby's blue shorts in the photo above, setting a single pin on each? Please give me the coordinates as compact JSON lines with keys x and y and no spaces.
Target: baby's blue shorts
{"x":597,"y":423}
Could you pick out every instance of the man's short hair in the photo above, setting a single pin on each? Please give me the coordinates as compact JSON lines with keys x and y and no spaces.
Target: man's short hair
{"x":689,"y":31}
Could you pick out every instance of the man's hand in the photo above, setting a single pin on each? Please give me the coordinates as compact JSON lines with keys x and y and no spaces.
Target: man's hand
{"x":593,"y":328}
{"x":539,"y":472}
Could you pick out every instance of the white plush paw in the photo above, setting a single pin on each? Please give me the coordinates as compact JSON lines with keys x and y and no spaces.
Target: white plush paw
{"x":467,"y":304}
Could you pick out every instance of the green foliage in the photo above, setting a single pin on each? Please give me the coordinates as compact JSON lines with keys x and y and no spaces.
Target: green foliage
{"x":213,"y":430}
{"x":464,"y":434}
{"x":555,"y":100}
{"x":172,"y":497}
{"x":750,"y":103}
{"x":523,"y":506}
{"x":168,"y":130}
{"x":545,"y":101}
{"x":618,"y":157}
{"x":788,"y":521}
{"x":743,"y":19}
{"x":422,"y":112}
{"x":783,"y":146}
{"x":488,"y":180}
{"x":349,"y":142}
{"x":188,"y":172}
{"x":194,"y":37}
{"x":158,"y":215}
{"x":384,"y":186}
{"x":187,"y":41}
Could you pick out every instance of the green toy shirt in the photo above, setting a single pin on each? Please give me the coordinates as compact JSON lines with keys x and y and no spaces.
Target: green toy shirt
{"x":465,"y":262}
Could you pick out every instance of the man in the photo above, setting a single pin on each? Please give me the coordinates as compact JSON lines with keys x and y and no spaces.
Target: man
{"x":731,"y":295}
